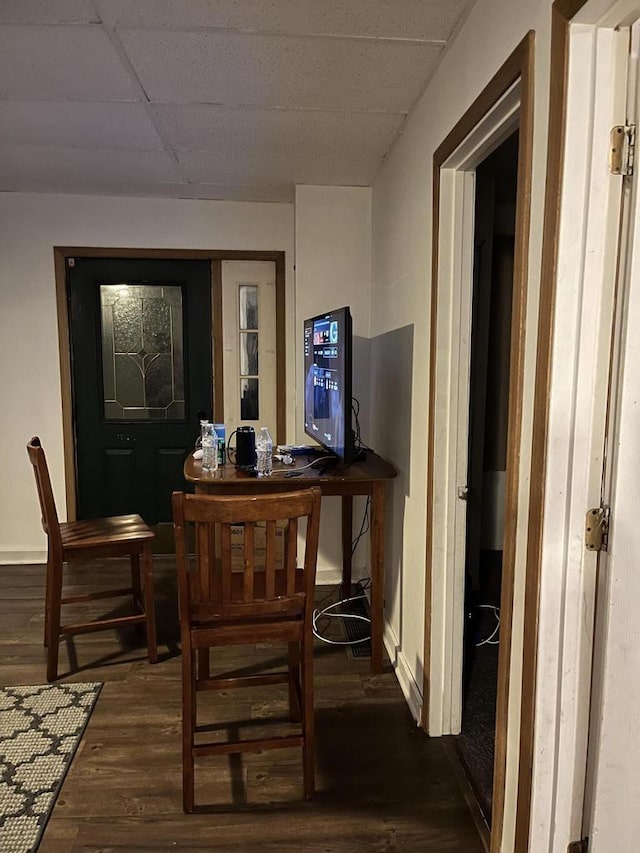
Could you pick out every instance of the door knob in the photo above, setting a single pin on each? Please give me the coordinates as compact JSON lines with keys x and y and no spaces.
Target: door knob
{"x":463,"y":493}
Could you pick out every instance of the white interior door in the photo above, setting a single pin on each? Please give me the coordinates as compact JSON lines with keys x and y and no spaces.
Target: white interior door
{"x":612,"y":801}
{"x":249,"y":344}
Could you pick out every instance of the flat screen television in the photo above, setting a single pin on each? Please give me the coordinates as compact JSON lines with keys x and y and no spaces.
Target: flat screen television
{"x":328,"y":348}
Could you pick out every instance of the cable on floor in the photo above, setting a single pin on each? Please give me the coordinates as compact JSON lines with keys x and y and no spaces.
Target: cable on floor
{"x":328,"y":614}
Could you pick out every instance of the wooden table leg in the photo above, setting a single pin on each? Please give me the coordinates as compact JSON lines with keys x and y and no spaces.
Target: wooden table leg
{"x":376,"y":536}
{"x":347,"y":537}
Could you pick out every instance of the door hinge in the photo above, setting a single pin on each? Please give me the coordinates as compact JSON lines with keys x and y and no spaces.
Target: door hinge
{"x":622,"y":149}
{"x":596,"y":528}
{"x":579,"y":846}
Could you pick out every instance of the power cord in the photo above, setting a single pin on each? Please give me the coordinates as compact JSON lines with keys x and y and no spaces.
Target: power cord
{"x":326,"y":612}
{"x":358,"y":445}
{"x":364,"y":527}
{"x":489,"y":641}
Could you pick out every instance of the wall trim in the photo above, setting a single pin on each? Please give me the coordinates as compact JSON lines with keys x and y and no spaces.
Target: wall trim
{"x":518,"y":66}
{"x":403,"y":672}
{"x":561,"y":14}
{"x":23,"y":558}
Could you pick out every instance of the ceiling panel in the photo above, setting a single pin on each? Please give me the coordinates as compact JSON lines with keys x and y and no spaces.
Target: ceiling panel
{"x":278,"y":71}
{"x":232,"y":167}
{"x":427,"y":20}
{"x":210,"y":128}
{"x":77,"y":164}
{"x":48,"y":12}
{"x":225,"y":99}
{"x":282,"y":193}
{"x":62,"y":63}
{"x":78,"y":124}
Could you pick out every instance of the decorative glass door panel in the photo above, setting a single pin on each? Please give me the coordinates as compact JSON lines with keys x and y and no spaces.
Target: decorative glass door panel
{"x":142,"y":351}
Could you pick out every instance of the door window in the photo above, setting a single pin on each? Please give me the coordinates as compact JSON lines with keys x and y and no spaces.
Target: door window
{"x":249,"y":341}
{"x":142,"y":352}
{"x":248,"y":344}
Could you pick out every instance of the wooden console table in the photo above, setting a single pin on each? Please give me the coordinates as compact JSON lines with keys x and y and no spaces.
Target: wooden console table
{"x":366,"y":477}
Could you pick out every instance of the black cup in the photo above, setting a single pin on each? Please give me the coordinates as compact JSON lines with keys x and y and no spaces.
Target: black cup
{"x":245,"y":452}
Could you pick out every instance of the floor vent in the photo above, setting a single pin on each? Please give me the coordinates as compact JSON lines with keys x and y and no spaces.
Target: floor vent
{"x":357,"y":629}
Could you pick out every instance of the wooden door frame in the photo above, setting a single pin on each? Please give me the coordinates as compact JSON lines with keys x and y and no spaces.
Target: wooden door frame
{"x":215,"y":257}
{"x":518,"y":67}
{"x":564,"y":14}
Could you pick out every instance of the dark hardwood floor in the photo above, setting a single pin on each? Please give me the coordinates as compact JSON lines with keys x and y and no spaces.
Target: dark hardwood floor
{"x":382,"y":784}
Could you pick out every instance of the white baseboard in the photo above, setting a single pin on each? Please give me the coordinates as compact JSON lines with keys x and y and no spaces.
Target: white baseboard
{"x":328,"y":576}
{"x":22,"y":558}
{"x":403,"y":672}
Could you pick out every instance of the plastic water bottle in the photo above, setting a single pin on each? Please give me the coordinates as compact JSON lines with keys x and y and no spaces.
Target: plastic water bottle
{"x":209,"y":448}
{"x":264,"y":453}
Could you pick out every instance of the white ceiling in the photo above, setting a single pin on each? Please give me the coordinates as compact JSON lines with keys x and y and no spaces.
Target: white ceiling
{"x":224,"y":99}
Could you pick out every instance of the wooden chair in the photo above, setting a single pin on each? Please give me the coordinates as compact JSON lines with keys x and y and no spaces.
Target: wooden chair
{"x":124,"y":535}
{"x":269,"y":604}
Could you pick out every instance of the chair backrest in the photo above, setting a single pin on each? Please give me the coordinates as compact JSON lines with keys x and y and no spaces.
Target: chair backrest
{"x":208,"y":585}
{"x":50,"y":523}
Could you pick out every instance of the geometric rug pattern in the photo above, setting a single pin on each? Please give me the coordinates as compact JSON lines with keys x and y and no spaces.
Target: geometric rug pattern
{"x":40,"y":729}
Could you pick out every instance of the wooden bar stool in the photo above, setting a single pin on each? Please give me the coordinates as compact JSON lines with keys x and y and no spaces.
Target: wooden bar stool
{"x":118,"y":536}
{"x":220,"y":606}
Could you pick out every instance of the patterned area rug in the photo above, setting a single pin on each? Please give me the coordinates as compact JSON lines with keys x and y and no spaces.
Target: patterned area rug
{"x":40,"y":729}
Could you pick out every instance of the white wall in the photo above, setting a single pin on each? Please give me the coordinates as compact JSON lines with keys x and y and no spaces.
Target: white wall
{"x":333,"y":268}
{"x":30,"y":226}
{"x":400,"y":299}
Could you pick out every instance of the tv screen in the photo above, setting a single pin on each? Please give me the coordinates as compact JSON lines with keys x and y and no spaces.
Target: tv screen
{"x":327,"y":388}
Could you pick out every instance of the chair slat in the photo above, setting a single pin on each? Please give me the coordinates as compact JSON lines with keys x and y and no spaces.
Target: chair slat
{"x":291,"y":554}
{"x":226,"y":563}
{"x":270,"y":559}
{"x":203,"y":568}
{"x":249,"y":562}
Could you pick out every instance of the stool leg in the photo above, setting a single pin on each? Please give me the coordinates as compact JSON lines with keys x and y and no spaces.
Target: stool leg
{"x":188,"y":727}
{"x":149,"y":602}
{"x":204,"y":670}
{"x":294,"y":682}
{"x":308,"y":722}
{"x":53,"y":605}
{"x":47,"y":597}
{"x":136,"y":586}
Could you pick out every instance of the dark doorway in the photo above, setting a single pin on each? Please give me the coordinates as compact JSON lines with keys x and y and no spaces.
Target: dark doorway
{"x":141,"y":370}
{"x":496,"y":184}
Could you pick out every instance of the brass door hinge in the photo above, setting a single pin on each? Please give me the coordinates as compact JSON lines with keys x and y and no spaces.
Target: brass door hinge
{"x":596,"y":528}
{"x":579,"y":846}
{"x":622,"y":149}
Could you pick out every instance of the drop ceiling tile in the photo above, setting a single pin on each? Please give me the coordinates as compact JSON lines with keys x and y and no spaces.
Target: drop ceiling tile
{"x":281,"y":167}
{"x":73,"y":166}
{"x":316,"y":73}
{"x":77,"y":124}
{"x":48,"y":12}
{"x":280,"y":193}
{"x":63,"y":63}
{"x":210,"y":128}
{"x":403,"y":19}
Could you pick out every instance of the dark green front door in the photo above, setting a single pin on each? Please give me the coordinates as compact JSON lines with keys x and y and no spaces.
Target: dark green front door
{"x":141,"y":363}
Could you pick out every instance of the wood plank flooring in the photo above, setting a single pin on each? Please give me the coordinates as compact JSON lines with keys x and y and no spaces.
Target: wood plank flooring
{"x":382,"y":784}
